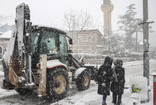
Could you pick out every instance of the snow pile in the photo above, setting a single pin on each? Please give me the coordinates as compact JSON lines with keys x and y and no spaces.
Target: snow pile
{"x":138,"y":86}
{"x":5,"y":93}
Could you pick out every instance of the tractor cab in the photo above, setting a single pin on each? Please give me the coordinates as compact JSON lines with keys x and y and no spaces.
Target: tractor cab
{"x":51,"y":42}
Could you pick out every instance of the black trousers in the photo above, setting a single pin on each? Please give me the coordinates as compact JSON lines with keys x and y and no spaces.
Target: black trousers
{"x":117,"y":98}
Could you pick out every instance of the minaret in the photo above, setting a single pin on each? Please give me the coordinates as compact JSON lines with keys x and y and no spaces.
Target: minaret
{"x":107,"y":8}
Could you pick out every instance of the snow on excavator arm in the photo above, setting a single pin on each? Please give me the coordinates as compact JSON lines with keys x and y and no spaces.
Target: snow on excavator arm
{"x":17,"y":58}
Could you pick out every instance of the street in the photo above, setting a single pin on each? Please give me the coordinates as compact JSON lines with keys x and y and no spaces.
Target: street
{"x":131,"y":69}
{"x":88,"y":97}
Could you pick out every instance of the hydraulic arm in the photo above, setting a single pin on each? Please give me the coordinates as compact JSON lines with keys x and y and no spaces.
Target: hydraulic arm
{"x":17,"y":61}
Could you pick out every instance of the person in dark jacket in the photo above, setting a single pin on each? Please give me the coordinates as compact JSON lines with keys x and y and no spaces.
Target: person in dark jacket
{"x":117,"y":85}
{"x":103,"y":78}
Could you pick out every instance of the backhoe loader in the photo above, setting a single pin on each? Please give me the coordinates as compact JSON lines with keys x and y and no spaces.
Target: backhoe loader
{"x":39,"y":59}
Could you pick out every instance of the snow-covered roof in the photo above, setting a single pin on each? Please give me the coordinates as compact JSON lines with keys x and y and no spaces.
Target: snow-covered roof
{"x":6,"y":34}
{"x":50,"y":27}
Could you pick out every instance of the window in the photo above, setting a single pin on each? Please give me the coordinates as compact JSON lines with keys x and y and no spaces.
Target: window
{"x":89,"y":51}
{"x":35,"y":36}
{"x":80,"y":51}
{"x":84,"y":38}
{"x":79,"y":39}
{"x":49,"y":43}
{"x":63,"y":49}
{"x":89,"y":38}
{"x":63,"y":45}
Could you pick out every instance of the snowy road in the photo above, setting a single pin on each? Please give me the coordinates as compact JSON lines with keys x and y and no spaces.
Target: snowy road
{"x":88,"y":97}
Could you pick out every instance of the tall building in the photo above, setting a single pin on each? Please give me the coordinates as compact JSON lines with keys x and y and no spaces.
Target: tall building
{"x":107,"y":9}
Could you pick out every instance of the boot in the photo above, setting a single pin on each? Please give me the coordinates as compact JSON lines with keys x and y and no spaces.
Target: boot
{"x":114,"y":98}
{"x":118,"y":103}
{"x":119,"y":99}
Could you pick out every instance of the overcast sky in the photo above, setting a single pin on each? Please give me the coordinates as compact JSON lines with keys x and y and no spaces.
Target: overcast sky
{"x":51,"y":12}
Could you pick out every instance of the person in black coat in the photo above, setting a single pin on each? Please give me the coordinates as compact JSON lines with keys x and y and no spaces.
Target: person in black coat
{"x":103,"y":78}
{"x":117,"y":85}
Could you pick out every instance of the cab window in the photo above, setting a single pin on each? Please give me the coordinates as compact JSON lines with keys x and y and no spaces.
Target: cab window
{"x":63,"y":45}
{"x":49,"y":43}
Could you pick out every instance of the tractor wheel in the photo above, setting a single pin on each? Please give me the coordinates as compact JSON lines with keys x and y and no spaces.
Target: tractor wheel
{"x":83,"y":81}
{"x":23,"y":91}
{"x":57,"y":83}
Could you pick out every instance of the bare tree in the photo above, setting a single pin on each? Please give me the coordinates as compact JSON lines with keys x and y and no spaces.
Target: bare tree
{"x":5,"y":19}
{"x":75,"y":22}
{"x":2,"y":18}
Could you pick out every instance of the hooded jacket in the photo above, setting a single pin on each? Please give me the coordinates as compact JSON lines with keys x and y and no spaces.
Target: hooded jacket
{"x":103,"y":77}
{"x":117,"y":87}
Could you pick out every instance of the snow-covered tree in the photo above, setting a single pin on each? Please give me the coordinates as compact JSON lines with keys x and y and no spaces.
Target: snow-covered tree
{"x":2,"y":18}
{"x":129,"y":25}
{"x":5,"y":19}
{"x":117,"y":44}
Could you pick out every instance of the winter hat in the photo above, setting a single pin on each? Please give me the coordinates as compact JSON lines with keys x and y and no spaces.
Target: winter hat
{"x":118,"y":62}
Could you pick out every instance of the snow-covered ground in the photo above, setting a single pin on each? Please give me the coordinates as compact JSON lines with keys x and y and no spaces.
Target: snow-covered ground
{"x":5,"y":93}
{"x":90,"y":96}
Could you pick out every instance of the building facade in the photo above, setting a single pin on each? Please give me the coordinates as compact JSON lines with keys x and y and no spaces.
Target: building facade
{"x":87,"y":41}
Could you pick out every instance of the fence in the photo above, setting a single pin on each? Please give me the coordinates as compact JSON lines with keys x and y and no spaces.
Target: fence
{"x":99,"y":59}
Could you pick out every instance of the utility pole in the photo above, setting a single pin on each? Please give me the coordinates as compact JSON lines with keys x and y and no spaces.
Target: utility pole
{"x":146,"y":39}
{"x":146,"y":42}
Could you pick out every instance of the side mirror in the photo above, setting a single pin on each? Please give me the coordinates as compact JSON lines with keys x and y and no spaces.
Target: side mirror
{"x":70,"y":41}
